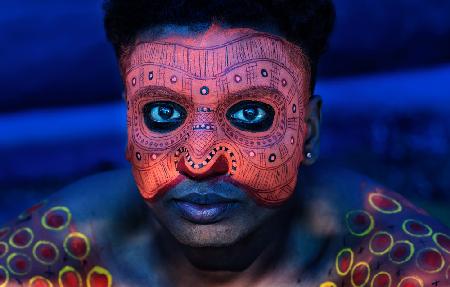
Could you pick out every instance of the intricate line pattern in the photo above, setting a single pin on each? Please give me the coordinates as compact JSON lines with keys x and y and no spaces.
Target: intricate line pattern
{"x":256,"y":67}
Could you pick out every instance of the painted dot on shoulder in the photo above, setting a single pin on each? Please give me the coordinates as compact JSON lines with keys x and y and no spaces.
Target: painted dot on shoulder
{"x":430,"y":260}
{"x":56,"y":218}
{"x":4,"y":276}
{"x":416,"y":228}
{"x":45,"y":252}
{"x":401,"y":252}
{"x":4,"y":248}
{"x":384,"y":203}
{"x":18,"y":264}
{"x":77,"y":245}
{"x":344,"y":261}
{"x":381,"y":279}
{"x":328,"y":284}
{"x":442,"y":241}
{"x":69,"y":277}
{"x":39,"y":281}
{"x":21,"y":238}
{"x":360,"y":274}
{"x":411,"y":281}
{"x":359,"y":222}
{"x":99,"y":277}
{"x":381,"y":243}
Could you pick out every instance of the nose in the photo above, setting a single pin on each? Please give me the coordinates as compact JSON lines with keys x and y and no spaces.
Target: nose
{"x":218,"y":168}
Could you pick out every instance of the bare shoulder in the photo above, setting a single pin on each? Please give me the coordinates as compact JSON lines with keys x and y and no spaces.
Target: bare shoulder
{"x":62,"y":241}
{"x":388,"y":241}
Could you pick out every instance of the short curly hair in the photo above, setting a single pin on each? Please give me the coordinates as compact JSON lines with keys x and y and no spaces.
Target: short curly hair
{"x":307,"y":23}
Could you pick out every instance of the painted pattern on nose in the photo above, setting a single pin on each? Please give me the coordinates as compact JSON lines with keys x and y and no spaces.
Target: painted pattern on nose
{"x":218,"y":168}
{"x":220,"y":160}
{"x":204,"y":131}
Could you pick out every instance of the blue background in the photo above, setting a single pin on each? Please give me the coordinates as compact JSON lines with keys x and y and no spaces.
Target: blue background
{"x":385,"y":82}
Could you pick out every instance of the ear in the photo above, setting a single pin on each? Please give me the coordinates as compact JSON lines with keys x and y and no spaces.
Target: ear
{"x":313,"y":119}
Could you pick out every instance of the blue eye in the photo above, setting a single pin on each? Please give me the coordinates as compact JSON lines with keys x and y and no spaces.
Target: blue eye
{"x":251,"y":116}
{"x":163,"y":116}
{"x":164,"y":113}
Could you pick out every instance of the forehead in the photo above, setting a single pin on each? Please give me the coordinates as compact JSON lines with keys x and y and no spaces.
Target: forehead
{"x":218,"y":61}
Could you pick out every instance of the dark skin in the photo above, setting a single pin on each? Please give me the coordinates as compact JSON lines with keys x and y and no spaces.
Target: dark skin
{"x":294,"y":244}
{"x":138,"y":251}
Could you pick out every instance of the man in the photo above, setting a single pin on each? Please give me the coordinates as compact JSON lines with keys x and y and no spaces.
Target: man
{"x":221,"y":124}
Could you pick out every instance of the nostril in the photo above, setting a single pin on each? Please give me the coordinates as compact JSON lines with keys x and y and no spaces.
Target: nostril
{"x":219,"y":167}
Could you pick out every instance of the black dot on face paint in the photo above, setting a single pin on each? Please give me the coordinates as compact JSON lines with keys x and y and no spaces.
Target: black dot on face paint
{"x":138,"y":156}
{"x":272,"y":157}
{"x":284,"y":83}
{"x":294,"y":108}
{"x":264,"y":73}
{"x":150,"y":75}
{"x":204,"y":90}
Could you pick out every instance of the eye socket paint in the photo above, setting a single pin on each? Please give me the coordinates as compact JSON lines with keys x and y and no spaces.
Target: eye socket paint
{"x":207,"y":81}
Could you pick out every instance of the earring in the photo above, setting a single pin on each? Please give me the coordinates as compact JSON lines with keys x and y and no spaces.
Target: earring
{"x":309,"y":155}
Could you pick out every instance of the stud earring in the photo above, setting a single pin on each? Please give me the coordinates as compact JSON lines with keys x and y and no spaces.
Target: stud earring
{"x":309,"y":155}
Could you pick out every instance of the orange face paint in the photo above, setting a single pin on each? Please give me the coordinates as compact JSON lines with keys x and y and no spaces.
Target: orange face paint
{"x":223,"y":104}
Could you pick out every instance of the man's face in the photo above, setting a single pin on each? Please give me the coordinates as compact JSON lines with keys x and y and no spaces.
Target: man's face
{"x":216,"y":129}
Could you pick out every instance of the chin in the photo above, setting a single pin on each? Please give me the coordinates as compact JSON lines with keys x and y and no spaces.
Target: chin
{"x":218,"y":234}
{"x":228,"y":231}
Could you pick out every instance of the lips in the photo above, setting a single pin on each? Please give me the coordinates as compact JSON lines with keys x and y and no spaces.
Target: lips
{"x":204,"y":208}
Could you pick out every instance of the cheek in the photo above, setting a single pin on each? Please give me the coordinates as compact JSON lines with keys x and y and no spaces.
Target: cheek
{"x":268,"y":170}
{"x":268,"y":162}
{"x":151,"y":155}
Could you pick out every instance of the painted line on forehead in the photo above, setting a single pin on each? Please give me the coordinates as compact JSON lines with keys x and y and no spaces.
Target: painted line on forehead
{"x":214,"y":77}
{"x":212,"y":47}
{"x":166,"y":54}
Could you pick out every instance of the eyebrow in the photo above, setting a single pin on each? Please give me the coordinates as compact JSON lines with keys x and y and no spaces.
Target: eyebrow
{"x":258,"y":89}
{"x":261,"y":90}
{"x":144,"y":91}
